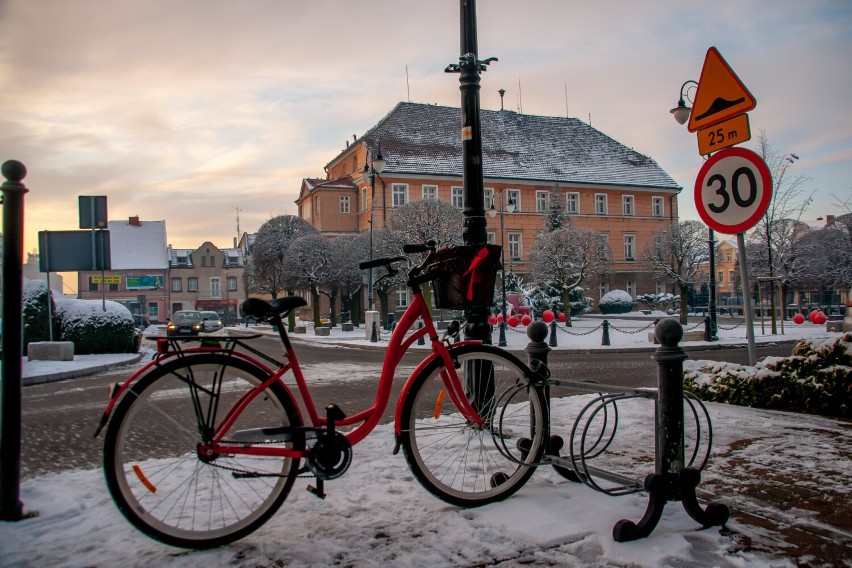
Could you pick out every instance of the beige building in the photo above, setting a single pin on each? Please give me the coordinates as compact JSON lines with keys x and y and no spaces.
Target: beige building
{"x":206,"y":278}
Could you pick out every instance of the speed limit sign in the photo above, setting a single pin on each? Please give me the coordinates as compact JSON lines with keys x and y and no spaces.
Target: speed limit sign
{"x":733,"y":190}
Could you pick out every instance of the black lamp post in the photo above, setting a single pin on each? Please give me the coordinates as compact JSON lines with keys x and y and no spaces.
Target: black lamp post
{"x":681,"y":114}
{"x":493,"y":213}
{"x":372,"y":169}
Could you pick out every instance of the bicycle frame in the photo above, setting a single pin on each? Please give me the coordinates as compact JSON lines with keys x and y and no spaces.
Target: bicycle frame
{"x":364,"y":421}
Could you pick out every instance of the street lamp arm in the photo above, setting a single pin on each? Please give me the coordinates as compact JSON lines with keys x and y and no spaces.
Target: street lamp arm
{"x":681,"y":111}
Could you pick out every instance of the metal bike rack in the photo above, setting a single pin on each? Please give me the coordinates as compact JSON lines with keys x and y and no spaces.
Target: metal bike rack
{"x":675,"y":477}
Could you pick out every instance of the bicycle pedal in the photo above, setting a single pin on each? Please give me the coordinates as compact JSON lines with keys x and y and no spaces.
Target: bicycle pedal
{"x":319,"y":490}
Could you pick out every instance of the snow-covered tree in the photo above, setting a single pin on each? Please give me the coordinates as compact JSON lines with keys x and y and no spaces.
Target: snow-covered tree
{"x":555,"y":217}
{"x":566,"y":257}
{"x":387,"y":243}
{"x":428,"y":219}
{"x":677,"y":254}
{"x":354,"y":249}
{"x":265,"y":273}
{"x":311,"y":262}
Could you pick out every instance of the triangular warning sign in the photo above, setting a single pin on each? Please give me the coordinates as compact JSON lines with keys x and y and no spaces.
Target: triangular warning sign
{"x":720,"y":94}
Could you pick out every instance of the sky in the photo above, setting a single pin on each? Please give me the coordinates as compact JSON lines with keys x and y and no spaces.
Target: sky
{"x":378,"y":515}
{"x":202,"y":111}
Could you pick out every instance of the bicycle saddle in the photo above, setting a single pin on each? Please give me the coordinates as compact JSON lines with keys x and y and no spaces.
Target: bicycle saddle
{"x":262,"y":310}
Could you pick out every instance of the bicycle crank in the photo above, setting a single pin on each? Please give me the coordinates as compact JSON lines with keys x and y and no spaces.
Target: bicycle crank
{"x":330,"y":456}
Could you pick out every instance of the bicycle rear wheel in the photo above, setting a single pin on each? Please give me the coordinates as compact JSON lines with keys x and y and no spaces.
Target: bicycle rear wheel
{"x":153,"y":468}
{"x":462,"y":463}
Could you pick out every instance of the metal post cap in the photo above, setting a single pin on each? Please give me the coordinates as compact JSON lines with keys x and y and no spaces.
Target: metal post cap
{"x":13,"y":170}
{"x":668,"y":332}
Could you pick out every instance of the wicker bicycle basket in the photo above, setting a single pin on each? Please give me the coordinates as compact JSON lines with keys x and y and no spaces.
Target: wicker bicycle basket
{"x":464,"y":276}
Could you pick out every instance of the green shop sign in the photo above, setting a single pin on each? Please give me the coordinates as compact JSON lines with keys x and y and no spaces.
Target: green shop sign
{"x":144,"y":282}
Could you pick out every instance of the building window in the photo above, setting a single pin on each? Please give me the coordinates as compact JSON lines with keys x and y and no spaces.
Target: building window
{"x":514,"y":196}
{"x":629,"y":247}
{"x":541,"y":201}
{"x":731,"y":276}
{"x":720,"y":277}
{"x":489,"y":198}
{"x":363,"y":199}
{"x":215,"y":291}
{"x":604,"y":289}
{"x":192,"y":284}
{"x":112,"y":287}
{"x":490,"y":238}
{"x":728,"y":257}
{"x":93,"y":287}
{"x":657,"y":206}
{"x":660,"y":288}
{"x":457,"y":197}
{"x":402,"y":298}
{"x":631,"y":288}
{"x":400,"y":194}
{"x":514,"y":246}
{"x":344,"y":204}
{"x":232,"y":283}
{"x":572,"y":203}
{"x":430,"y":192}
{"x":627,"y":205}
{"x":600,"y":204}
{"x":177,"y":285}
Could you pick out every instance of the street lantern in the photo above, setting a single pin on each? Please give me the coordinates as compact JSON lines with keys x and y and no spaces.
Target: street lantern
{"x":510,"y":207}
{"x":372,"y":169}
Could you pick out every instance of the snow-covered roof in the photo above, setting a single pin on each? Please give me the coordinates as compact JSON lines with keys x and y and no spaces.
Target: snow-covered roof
{"x":138,"y":244}
{"x":234,"y":257}
{"x":425,"y":139}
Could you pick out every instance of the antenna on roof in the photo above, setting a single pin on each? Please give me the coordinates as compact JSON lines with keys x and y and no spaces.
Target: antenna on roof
{"x":520,"y":99}
{"x":566,"y":101}
{"x":407,"y":86}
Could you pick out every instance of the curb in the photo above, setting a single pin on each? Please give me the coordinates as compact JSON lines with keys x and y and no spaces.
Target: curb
{"x":75,"y":373}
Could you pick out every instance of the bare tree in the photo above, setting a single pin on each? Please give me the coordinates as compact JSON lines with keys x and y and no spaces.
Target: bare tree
{"x":265,"y":273}
{"x":425,"y":219}
{"x":354,"y":249}
{"x":311,"y":263}
{"x":387,"y":243}
{"x":779,"y":231}
{"x":677,"y":254}
{"x":566,"y":257}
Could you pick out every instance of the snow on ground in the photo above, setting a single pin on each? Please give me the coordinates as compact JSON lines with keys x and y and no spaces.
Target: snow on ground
{"x":378,"y":515}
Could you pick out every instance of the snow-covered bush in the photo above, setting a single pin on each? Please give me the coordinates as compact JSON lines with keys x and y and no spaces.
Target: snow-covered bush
{"x":36,"y":315}
{"x":94,"y":330}
{"x":659,"y":302}
{"x":816,"y":378}
{"x":616,"y":302}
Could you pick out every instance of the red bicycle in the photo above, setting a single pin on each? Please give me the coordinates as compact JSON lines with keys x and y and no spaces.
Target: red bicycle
{"x":204,"y":443}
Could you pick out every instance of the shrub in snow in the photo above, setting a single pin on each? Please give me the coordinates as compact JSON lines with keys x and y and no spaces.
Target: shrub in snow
{"x":94,"y":330}
{"x":36,"y":314}
{"x":661,"y":302}
{"x":816,"y":378}
{"x":616,"y":302}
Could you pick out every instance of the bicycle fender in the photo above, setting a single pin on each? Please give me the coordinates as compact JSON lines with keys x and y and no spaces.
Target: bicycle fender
{"x":410,"y":380}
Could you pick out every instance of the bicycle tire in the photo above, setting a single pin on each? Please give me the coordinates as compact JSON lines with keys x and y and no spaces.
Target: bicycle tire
{"x":465,"y":464}
{"x":154,"y":472}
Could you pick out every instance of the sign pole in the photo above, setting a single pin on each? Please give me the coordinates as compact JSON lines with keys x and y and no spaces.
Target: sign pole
{"x":749,"y":314}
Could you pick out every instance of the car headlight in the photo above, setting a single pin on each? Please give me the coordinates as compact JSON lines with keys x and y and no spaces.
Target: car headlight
{"x":171,"y":327}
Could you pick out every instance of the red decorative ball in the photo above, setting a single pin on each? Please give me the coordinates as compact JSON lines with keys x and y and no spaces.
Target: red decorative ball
{"x":526,"y":319}
{"x":492,"y":319}
{"x":512,"y":321}
{"x":799,"y":319}
{"x":499,"y":318}
{"x":547,"y":316}
{"x":561,"y":317}
{"x":821,"y":318}
{"x":812,"y":317}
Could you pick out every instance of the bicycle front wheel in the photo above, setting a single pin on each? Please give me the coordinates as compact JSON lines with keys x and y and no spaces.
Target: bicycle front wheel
{"x":156,"y":473}
{"x":467,"y":464}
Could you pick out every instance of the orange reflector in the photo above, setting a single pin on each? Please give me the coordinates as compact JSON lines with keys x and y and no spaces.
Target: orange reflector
{"x":148,"y":485}
{"x":438,"y":402}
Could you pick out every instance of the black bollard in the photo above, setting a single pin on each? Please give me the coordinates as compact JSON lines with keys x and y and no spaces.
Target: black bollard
{"x":537,"y":349}
{"x":671,"y":480}
{"x":605,"y":336}
{"x":553,"y":334}
{"x":708,"y":329}
{"x":374,"y":335}
{"x":420,"y":340}
{"x":11,"y":508}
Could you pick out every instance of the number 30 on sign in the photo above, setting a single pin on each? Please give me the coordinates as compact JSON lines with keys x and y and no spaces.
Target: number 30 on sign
{"x":733,"y":190}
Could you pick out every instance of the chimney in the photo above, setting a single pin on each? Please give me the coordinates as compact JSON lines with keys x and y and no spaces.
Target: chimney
{"x":134,"y":221}
{"x":829,"y":219}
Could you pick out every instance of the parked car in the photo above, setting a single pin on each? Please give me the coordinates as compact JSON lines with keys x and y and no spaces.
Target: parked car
{"x":185,"y":323}
{"x":212,"y":321}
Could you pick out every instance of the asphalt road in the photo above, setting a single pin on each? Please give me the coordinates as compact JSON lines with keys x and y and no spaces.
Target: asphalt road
{"x":59,"y":419}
